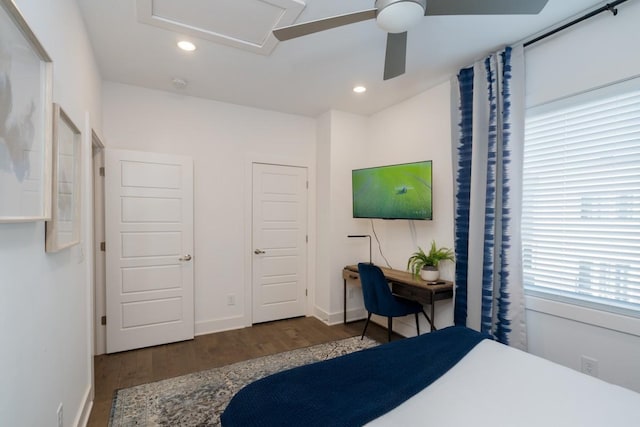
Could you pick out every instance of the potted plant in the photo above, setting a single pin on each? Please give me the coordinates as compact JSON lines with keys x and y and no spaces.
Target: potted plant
{"x":426,"y":264}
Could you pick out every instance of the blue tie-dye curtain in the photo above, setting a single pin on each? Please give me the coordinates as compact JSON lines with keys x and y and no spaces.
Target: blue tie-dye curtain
{"x":488,"y":165}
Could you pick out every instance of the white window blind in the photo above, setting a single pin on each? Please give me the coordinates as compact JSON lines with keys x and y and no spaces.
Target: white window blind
{"x":581,"y":199}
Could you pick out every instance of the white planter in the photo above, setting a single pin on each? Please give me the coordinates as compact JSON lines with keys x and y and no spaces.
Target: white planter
{"x":430,"y":274}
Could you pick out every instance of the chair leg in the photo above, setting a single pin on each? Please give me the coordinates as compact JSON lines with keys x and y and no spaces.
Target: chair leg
{"x":433,"y":327}
{"x":417,"y":324}
{"x":365,"y":326}
{"x":389,"y":327}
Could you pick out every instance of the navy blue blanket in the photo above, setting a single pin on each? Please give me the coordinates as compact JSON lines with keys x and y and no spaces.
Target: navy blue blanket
{"x":350,"y":390}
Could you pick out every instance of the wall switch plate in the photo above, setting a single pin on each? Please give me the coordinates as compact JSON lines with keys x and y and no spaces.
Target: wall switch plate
{"x":589,"y":366}
{"x":231,"y":299}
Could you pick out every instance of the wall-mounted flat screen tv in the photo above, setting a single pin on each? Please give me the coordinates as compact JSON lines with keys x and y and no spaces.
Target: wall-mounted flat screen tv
{"x":393,"y":192}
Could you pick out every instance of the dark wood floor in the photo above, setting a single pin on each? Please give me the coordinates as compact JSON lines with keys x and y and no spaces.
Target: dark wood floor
{"x":126,"y":369}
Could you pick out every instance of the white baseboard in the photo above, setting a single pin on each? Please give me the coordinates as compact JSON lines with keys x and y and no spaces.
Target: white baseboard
{"x":352,"y":315}
{"x":355,"y":314}
{"x":404,"y":326}
{"x":320,"y":314}
{"x":237,"y":322}
{"x":219,"y":325}
{"x":332,"y":319}
{"x":82,"y":419}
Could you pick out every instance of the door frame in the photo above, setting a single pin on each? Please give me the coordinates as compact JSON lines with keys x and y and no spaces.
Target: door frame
{"x":291,"y":161}
{"x":97,"y":235}
{"x":94,"y":148}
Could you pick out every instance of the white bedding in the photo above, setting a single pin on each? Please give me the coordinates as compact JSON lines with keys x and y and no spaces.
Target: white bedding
{"x":495,"y":385}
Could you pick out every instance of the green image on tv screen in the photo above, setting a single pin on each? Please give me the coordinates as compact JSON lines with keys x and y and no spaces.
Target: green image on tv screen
{"x":393,"y":192}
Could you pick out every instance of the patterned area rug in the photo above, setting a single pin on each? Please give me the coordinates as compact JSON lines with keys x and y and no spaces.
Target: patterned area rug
{"x":199,"y":399}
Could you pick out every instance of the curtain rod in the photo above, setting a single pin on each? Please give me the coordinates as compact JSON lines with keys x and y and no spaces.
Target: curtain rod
{"x":609,"y":7}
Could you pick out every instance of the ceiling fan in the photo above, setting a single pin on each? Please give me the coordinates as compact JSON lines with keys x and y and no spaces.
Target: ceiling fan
{"x":397,"y":16}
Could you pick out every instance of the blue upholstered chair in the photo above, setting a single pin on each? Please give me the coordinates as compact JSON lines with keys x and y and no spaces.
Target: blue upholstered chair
{"x":378,"y":298}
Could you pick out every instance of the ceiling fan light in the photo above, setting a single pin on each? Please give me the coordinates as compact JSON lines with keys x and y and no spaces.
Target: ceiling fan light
{"x":399,"y":16}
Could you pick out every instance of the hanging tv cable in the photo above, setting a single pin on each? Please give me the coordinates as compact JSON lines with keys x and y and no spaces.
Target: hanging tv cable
{"x":379,"y":246}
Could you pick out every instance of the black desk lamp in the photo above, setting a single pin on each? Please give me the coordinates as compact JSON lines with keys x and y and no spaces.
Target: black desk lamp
{"x":364,"y":235}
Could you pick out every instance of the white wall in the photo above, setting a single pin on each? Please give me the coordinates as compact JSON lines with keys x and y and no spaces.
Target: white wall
{"x":321,"y":290}
{"x":416,"y":129}
{"x":594,"y":53}
{"x":45,"y":323}
{"x":222,"y":139}
{"x":341,"y":145}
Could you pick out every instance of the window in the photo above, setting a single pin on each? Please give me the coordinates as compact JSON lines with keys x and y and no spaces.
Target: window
{"x":581,"y":199}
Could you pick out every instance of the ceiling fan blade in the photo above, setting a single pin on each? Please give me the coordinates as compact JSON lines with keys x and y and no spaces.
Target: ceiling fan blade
{"x":484,"y":7}
{"x":396,"y":56}
{"x":298,"y":30}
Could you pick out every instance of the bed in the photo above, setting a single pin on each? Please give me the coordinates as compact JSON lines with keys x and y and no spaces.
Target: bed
{"x":452,"y":377}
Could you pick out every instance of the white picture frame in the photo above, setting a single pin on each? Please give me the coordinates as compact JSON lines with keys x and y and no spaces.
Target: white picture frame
{"x":26,"y":82}
{"x":63,"y":230}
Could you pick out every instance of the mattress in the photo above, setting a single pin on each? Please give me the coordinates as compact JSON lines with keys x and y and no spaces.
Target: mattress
{"x":452,"y":377}
{"x":495,"y":385}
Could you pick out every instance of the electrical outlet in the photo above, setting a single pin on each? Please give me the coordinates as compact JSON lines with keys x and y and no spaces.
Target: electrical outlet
{"x":80,"y":253}
{"x":589,"y":366}
{"x":231,"y":299}
{"x":60,"y":415}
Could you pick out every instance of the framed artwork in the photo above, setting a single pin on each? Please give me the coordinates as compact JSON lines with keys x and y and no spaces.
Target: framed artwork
{"x":25,"y":121}
{"x":63,"y":230}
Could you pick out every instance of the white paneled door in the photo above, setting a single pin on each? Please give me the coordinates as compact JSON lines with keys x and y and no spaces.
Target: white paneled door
{"x":149,"y":249}
{"x":279,"y":242}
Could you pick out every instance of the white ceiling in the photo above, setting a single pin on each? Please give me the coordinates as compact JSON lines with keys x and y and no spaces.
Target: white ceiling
{"x":308,"y":75}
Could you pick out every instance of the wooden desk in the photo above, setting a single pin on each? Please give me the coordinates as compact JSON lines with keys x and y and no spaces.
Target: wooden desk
{"x":404,"y":285}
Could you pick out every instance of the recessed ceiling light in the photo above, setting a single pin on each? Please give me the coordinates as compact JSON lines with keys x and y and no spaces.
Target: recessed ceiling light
{"x":185,"y":45}
{"x":359,"y":89}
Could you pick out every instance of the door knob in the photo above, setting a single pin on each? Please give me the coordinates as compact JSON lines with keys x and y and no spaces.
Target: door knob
{"x":185,"y":258}
{"x":259,"y":251}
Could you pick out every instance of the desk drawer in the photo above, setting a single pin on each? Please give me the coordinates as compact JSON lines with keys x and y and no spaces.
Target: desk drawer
{"x":351,"y":276}
{"x":422,"y":295}
{"x":444,"y":294}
